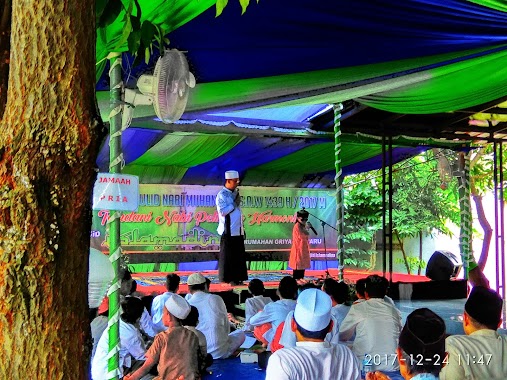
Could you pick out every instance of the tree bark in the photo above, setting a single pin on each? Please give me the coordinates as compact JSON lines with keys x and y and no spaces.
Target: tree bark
{"x":420,"y":253}
{"x":486,"y":227}
{"x":50,"y":134}
{"x":5,"y":36}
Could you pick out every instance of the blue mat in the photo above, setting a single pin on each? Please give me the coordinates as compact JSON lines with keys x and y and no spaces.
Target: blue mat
{"x":233,"y":369}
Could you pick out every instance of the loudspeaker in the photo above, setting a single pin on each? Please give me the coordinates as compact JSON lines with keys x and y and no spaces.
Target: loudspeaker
{"x":442,"y":265}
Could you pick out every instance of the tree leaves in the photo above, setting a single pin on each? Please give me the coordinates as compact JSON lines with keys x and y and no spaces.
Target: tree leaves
{"x":244,"y":5}
{"x":420,"y":204}
{"x":106,"y":11}
{"x":220,"y":5}
{"x":140,"y":38}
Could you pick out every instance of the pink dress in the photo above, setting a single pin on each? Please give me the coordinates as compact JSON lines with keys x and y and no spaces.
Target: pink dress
{"x":300,"y":250}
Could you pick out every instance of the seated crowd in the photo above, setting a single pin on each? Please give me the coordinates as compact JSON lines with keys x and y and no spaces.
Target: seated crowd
{"x":313,"y":331}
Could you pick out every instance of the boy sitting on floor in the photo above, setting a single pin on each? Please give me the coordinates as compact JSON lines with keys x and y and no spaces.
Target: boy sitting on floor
{"x":256,"y":303}
{"x":190,"y":322}
{"x":176,"y":350}
{"x":253,"y":304}
{"x":266,"y":322}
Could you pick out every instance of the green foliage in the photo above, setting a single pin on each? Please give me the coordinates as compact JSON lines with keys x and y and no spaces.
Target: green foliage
{"x":357,"y":257}
{"x":482,"y":169}
{"x":106,"y":11}
{"x":220,"y":5}
{"x":420,"y":204}
{"x":244,"y":5}
{"x":141,"y":38}
{"x":414,"y":263}
{"x":363,"y":217}
{"x":363,"y":208}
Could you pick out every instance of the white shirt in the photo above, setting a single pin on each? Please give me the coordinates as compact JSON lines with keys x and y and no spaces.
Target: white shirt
{"x":203,"y":345}
{"x":226,"y":206}
{"x":274,"y":313}
{"x":252,"y":306}
{"x":377,"y":325}
{"x":131,"y":346}
{"x":157,"y":311}
{"x":312,"y":361}
{"x":482,"y":355}
{"x":389,"y":300}
{"x":213,"y":322}
{"x":97,"y":326}
{"x":424,"y":376}
{"x":288,"y":337}
{"x":146,"y":324}
{"x":339,"y":312}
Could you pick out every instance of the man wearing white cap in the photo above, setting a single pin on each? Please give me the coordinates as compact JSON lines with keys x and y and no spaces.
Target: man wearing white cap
{"x":175,"y":351}
{"x":232,"y":258}
{"x":213,"y":319}
{"x":313,"y":358}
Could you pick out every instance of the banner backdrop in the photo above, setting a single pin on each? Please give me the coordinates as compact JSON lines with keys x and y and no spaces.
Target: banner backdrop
{"x":183,"y":218}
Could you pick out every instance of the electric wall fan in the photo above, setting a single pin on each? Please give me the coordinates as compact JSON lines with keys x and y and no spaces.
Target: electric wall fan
{"x":167,"y":89}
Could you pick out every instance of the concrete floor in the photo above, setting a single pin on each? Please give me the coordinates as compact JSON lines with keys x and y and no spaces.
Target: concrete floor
{"x":451,"y":311}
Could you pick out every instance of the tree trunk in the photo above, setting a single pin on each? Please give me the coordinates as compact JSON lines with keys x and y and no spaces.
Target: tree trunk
{"x":420,"y":253}
{"x":402,"y":248}
{"x":5,"y":36}
{"x":486,"y":227}
{"x":49,"y":138}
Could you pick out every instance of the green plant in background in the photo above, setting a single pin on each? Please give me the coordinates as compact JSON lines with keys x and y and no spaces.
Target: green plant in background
{"x":421,"y":205}
{"x":140,"y":34}
{"x":361,"y":258}
{"x":481,"y":182}
{"x":415,"y":263}
{"x":363,"y":217}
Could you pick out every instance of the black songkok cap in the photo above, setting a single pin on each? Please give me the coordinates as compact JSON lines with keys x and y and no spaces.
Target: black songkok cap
{"x":485,"y":306}
{"x":423,"y":334}
{"x":303,"y":214}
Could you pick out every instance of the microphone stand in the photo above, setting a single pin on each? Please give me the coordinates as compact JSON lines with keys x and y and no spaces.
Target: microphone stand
{"x":324,"y":224}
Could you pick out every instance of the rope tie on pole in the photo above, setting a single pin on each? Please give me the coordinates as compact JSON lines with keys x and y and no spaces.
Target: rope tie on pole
{"x":117,"y":161}
{"x":114,"y":374}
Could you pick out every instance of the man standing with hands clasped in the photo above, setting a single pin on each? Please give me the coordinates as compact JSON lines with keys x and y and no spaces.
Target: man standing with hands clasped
{"x":232,"y":258}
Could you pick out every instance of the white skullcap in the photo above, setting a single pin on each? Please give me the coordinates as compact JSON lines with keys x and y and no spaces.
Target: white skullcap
{"x":231,"y":174}
{"x":177,"y":306}
{"x":313,"y":310}
{"x":196,"y":279}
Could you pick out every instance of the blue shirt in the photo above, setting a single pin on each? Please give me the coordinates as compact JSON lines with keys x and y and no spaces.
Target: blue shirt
{"x":226,"y":206}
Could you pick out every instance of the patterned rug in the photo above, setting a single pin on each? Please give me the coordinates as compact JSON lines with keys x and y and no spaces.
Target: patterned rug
{"x":158,"y":279}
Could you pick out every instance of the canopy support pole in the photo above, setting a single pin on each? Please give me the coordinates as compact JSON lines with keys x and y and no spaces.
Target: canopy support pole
{"x":465,"y":236}
{"x":498,"y":179}
{"x":387,"y":205}
{"x":115,"y":166}
{"x":338,"y":179}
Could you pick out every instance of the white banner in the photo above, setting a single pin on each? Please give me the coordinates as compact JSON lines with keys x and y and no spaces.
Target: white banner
{"x":119,"y":192}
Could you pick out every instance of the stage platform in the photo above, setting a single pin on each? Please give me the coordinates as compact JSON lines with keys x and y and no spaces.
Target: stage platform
{"x":403,"y":286}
